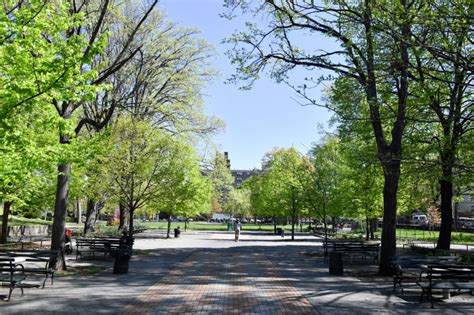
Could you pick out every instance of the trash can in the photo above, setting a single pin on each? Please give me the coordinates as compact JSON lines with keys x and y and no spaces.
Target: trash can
{"x":121,"y":264}
{"x":229,"y":226}
{"x":335,"y":264}
{"x":280,"y":232}
{"x":123,"y":254}
{"x":177,"y":232}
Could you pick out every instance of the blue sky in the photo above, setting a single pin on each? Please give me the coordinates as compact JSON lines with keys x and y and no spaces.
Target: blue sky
{"x":258,"y":120}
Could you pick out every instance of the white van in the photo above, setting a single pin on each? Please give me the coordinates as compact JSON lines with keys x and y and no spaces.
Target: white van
{"x":419,"y":219}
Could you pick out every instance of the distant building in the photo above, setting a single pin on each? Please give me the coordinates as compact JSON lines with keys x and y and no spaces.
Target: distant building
{"x":240,"y":176}
{"x":465,"y":207}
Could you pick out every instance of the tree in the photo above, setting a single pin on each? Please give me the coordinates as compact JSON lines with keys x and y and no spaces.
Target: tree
{"x":284,"y":167}
{"x":36,"y":63}
{"x":219,"y":175}
{"x":185,"y":191}
{"x":326,"y":189}
{"x":139,"y":163}
{"x":161,"y":83}
{"x":442,"y":67}
{"x":238,"y":202}
{"x":92,"y":74}
{"x":263,"y":192}
{"x":371,"y":35}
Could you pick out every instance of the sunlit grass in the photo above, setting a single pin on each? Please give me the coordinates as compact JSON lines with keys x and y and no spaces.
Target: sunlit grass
{"x":210,"y":226}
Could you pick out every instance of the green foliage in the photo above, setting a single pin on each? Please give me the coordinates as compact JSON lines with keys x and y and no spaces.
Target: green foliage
{"x":219,"y":175}
{"x":146,"y":168}
{"x":277,"y":191}
{"x":37,"y":60}
{"x":238,"y":203}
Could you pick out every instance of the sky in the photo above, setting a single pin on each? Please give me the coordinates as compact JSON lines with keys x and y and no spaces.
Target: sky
{"x":258,"y":120}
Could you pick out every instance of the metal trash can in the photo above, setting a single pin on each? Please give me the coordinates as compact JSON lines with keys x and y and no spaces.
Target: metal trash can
{"x":121,"y":263}
{"x":177,"y":232}
{"x":229,"y":227}
{"x":335,"y":264}
{"x":280,"y":231}
{"x":123,"y":254}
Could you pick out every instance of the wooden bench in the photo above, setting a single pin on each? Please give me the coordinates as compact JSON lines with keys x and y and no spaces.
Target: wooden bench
{"x":445,"y":277}
{"x":139,"y":229}
{"x":35,"y":262}
{"x":93,"y":246}
{"x":11,"y":273}
{"x":354,"y":249}
{"x":407,"y":268}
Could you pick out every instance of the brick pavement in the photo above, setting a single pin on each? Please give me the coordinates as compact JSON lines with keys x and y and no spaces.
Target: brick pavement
{"x":206,"y":272}
{"x":228,"y":282}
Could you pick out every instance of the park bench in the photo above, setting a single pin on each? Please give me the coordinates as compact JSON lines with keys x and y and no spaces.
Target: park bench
{"x":11,"y":273}
{"x":139,"y":229}
{"x":35,"y":262}
{"x":407,"y":268}
{"x":354,"y":249}
{"x":445,"y":277}
{"x":93,"y":246}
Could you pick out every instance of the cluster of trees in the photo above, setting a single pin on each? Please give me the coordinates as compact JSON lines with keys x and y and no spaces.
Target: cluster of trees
{"x":324,"y":184}
{"x":100,"y":102}
{"x":401,"y":76}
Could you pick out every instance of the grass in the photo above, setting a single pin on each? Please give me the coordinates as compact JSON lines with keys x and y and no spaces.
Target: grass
{"x":429,"y":236}
{"x":75,"y":271}
{"x":14,"y":220}
{"x":432,"y":236}
{"x":209,"y":226}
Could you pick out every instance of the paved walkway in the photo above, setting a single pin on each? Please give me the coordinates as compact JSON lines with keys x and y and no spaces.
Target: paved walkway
{"x":208,"y":273}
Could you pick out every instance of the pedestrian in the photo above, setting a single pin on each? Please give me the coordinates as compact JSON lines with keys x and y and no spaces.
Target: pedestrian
{"x":237,"y":227}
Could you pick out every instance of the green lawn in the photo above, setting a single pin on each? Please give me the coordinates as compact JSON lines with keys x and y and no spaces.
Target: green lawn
{"x":432,"y":236}
{"x":205,"y":226}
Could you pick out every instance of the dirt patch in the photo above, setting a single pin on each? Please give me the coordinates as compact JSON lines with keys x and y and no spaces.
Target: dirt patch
{"x":81,"y":271}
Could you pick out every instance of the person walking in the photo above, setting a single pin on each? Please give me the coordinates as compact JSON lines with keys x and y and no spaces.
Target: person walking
{"x":237,"y":227}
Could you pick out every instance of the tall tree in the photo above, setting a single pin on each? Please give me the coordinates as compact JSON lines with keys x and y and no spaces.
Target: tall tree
{"x":285,"y":167}
{"x":442,"y":67}
{"x":185,"y":191}
{"x":371,"y":35}
{"x":100,"y":18}
{"x":326,"y":189}
{"x":139,"y":163}
{"x":219,"y":174}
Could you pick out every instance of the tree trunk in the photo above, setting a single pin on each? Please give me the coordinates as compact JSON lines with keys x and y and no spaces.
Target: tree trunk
{"x":293,"y":226}
{"x":373,"y":226}
{"x":388,"y":248}
{"x":123,"y":217}
{"x":79,"y":210}
{"x":169,"y":228}
{"x":367,"y":226}
{"x":91,"y":216}
{"x":293,"y":214}
{"x":456,"y":216}
{"x":274,"y":225}
{"x":130,"y":226}
{"x":325,"y":236}
{"x":6,"y":214}
{"x":444,"y":239}
{"x":60,"y":211}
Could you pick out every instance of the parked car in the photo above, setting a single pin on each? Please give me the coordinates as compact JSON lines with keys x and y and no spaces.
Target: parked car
{"x":419,"y":219}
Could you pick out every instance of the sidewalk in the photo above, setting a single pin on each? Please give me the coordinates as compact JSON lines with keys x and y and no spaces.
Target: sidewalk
{"x":208,"y":273}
